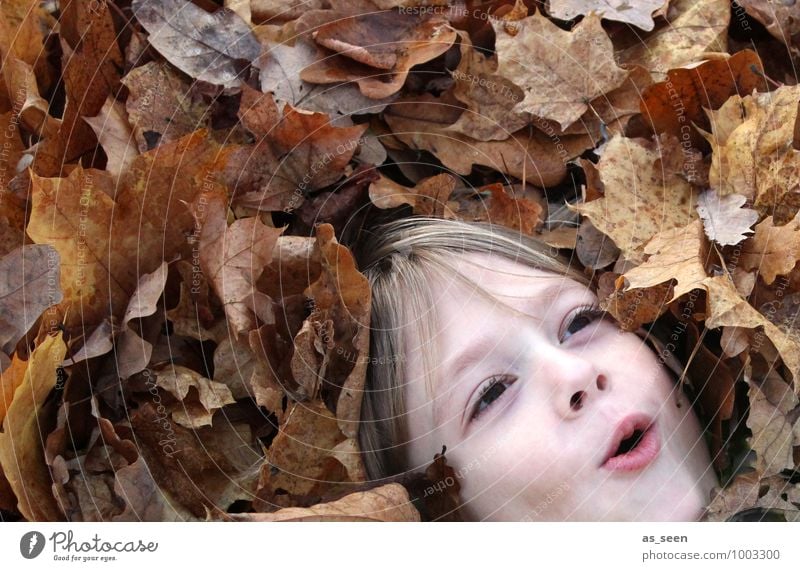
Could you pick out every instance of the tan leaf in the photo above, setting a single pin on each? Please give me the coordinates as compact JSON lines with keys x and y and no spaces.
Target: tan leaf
{"x":693,"y":28}
{"x":724,"y":219}
{"x":639,"y":14}
{"x":542,"y":59}
{"x":489,"y":97}
{"x":389,"y":502}
{"x":772,"y":431}
{"x":22,"y":439}
{"x":772,"y":250}
{"x":641,"y":197}
{"x":739,"y":495}
{"x":115,"y":135}
{"x":753,"y":153}
{"x":211,"y":395}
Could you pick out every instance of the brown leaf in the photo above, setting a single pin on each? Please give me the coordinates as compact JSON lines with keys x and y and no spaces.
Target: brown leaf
{"x":389,"y":502}
{"x":488,"y":96}
{"x":300,"y":459}
{"x":232,"y":258}
{"x":209,"y":47}
{"x":781,"y":19}
{"x":376,"y":49}
{"x":162,"y":106}
{"x":772,"y":438}
{"x":29,"y":284}
{"x":24,"y":428}
{"x":91,"y":70}
{"x":115,"y":135}
{"x":417,"y":122}
{"x":673,"y":105}
{"x":106,"y":243}
{"x":343,"y":296}
{"x":282,"y":67}
{"x":739,"y":495}
{"x":208,"y":397}
{"x":303,"y":153}
{"x":541,"y":60}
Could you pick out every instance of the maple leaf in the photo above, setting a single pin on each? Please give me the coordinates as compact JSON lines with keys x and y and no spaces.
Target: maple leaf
{"x":773,"y":250}
{"x":641,"y":197}
{"x":558,"y":71}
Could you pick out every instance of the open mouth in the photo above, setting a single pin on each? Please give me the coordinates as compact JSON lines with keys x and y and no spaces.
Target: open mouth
{"x":634,"y":444}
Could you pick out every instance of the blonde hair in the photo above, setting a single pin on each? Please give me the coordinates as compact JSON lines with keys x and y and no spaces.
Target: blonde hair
{"x":399,"y":259}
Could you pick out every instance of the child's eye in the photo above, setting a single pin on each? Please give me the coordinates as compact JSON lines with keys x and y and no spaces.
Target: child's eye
{"x":581,"y":318}
{"x":492,"y":391}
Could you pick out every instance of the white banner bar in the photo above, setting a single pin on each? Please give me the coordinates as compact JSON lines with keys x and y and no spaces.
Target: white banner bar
{"x":351,"y":546}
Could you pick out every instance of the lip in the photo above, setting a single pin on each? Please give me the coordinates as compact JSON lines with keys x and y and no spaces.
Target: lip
{"x":646,"y":450}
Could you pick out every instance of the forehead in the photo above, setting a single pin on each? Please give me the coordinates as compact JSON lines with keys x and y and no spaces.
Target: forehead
{"x":461,"y":312}
{"x":502,"y":277}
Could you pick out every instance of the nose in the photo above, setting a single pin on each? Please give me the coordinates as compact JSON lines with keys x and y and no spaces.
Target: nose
{"x":576,"y":382}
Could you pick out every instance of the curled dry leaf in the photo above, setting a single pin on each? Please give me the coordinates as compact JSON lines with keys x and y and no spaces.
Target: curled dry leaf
{"x":389,"y":502}
{"x":375,"y":49}
{"x":209,"y":396}
{"x":420,"y":124}
{"x":772,"y":439}
{"x":232,"y":258}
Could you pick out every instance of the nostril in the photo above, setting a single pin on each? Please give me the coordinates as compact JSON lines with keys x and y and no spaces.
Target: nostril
{"x":576,"y":400}
{"x":602,"y":382}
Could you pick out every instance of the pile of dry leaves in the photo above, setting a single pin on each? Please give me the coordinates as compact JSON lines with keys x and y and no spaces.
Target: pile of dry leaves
{"x":183,"y":328}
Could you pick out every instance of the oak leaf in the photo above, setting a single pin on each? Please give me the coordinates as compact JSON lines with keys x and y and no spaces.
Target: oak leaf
{"x":724,"y":219}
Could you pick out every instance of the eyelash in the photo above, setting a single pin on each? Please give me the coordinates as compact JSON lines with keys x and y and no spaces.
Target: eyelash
{"x":593,"y":312}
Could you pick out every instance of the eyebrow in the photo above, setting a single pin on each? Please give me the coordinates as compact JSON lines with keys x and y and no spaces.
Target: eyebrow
{"x":475,"y":352}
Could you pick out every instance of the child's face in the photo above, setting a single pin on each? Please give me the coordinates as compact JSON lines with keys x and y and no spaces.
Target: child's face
{"x":537,"y":450}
